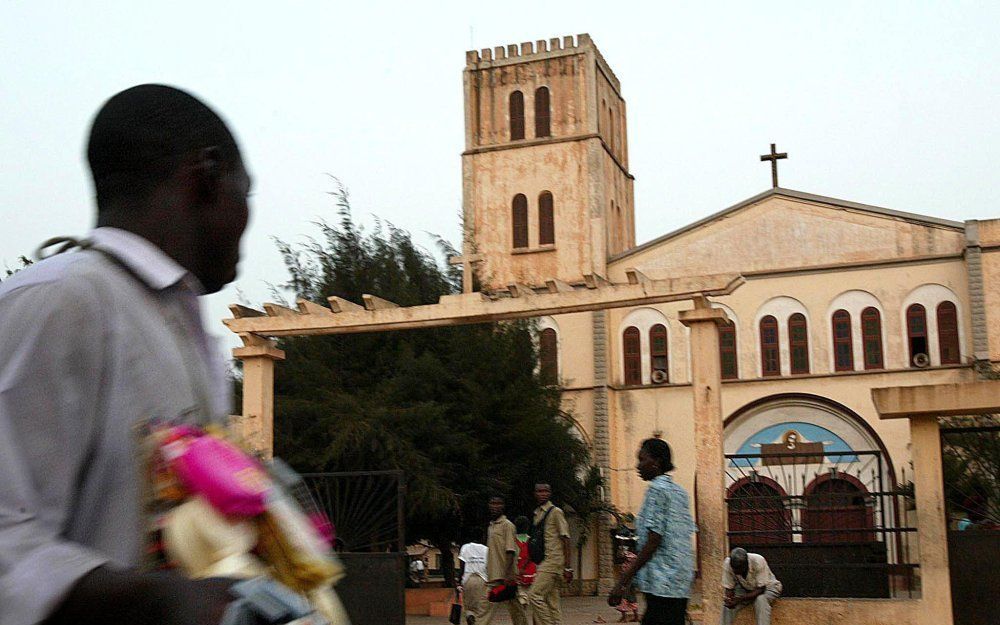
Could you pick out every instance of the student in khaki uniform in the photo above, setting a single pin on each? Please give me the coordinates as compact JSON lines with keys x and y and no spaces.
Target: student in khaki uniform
{"x":501,"y":564}
{"x":554,"y":568}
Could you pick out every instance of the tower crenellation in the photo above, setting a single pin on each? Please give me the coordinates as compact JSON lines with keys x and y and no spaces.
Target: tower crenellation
{"x":547,"y":191}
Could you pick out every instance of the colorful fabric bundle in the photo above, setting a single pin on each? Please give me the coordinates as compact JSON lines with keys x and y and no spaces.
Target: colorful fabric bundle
{"x":223,"y":514}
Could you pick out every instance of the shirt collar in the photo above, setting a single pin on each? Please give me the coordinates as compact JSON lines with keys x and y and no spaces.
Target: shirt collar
{"x":545,"y":506}
{"x":499,"y":519}
{"x":149,"y":262}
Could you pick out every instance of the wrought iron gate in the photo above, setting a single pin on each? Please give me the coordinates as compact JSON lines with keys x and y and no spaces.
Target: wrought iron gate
{"x":366,"y":509}
{"x":830,"y":524}
{"x":970,"y":459}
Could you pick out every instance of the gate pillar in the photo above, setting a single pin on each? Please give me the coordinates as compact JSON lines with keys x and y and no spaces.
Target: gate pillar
{"x":706,"y":385}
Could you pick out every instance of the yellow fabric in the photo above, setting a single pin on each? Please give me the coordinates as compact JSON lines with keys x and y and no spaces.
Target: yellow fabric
{"x":206,"y":544}
{"x":501,"y":541}
{"x":555,"y":528}
{"x":544,"y":598}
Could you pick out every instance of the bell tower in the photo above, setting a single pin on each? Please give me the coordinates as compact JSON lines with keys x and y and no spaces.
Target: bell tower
{"x":546,"y":191}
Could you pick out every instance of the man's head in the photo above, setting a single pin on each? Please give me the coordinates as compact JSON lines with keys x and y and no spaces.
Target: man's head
{"x":653,"y":458}
{"x":739,"y":562}
{"x":542,"y":493}
{"x":496,"y":505}
{"x":166,"y":167}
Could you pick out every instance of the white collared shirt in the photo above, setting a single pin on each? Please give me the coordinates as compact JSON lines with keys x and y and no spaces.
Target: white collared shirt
{"x":88,"y":350}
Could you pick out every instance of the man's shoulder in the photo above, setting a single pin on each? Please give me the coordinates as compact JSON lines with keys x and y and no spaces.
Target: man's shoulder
{"x":69,"y":283}
{"x":61,"y":276}
{"x":756,"y":558}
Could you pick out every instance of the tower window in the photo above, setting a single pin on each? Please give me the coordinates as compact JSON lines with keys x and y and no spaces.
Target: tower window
{"x":770,"y":354}
{"x":519,"y":214}
{"x":871,"y":337}
{"x":947,"y":321}
{"x":727,"y":350}
{"x":548,"y":356}
{"x":546,"y":219}
{"x":658,"y":353}
{"x":916,"y":333}
{"x":542,"y":113}
{"x":798,"y":343}
{"x":516,"y":115}
{"x":843,"y":345}
{"x":632,"y":353}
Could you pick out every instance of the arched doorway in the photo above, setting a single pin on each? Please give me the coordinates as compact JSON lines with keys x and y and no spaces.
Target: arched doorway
{"x":811,"y":488}
{"x":758,"y":513}
{"x":836,"y":504}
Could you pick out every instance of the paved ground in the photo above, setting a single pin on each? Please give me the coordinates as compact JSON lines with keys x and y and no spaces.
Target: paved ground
{"x":576,"y":611}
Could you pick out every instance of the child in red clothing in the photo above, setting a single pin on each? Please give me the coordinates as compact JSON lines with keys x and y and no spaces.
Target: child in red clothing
{"x":525,"y":567}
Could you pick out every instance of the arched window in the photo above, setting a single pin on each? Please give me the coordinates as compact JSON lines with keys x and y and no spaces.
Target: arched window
{"x":843,"y":345}
{"x":516,"y":115}
{"x":727,"y":350}
{"x":798,"y":343}
{"x":834,"y":504}
{"x":916,"y":332}
{"x":632,"y":355}
{"x":756,"y":505}
{"x":871,"y":337}
{"x":947,"y":322}
{"x":546,"y":220}
{"x":770,"y":353}
{"x":519,"y":218}
{"x":548,"y":356}
{"x":542,"y":113}
{"x":611,"y":129}
{"x":658,"y":353}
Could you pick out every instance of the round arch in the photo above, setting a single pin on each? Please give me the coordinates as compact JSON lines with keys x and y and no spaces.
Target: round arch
{"x":743,"y":422}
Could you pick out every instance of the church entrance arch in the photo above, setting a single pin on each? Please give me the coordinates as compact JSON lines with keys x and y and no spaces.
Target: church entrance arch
{"x":811,"y":488}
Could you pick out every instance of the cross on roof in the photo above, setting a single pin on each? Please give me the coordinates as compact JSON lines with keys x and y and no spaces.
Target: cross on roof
{"x":466,"y":262}
{"x":774,"y":157}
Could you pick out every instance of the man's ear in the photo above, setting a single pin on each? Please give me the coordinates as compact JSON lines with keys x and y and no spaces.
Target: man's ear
{"x":208,"y":172}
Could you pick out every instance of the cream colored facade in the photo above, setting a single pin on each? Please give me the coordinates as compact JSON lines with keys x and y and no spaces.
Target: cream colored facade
{"x":800,"y":254}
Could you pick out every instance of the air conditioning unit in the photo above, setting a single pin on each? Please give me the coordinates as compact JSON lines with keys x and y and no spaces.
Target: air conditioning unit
{"x":921,"y":360}
{"x":659,"y":376}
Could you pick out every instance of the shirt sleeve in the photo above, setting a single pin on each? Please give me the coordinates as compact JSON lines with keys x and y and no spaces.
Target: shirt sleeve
{"x":510,"y":540}
{"x":50,"y":381}
{"x":727,"y":576}
{"x":659,"y":511}
{"x":562,"y":527}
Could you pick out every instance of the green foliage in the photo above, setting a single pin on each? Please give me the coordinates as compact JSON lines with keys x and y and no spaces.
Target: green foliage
{"x":460,"y":409}
{"x":23,"y":261}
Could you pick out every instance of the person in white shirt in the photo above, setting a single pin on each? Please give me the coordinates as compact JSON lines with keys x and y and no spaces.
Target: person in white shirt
{"x":747,"y":579}
{"x":473,"y":574}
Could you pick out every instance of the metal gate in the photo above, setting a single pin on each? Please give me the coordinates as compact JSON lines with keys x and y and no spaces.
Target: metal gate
{"x":366,"y":509}
{"x":830,"y":524}
{"x":970,"y":459}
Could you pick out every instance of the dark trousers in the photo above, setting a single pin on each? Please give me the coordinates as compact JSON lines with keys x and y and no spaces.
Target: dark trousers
{"x":665,"y":610}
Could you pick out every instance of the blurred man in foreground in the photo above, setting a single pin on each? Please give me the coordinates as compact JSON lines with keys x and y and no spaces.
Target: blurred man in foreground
{"x":97,"y":342}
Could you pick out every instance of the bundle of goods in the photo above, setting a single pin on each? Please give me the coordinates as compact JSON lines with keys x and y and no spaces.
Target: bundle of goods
{"x":219,"y":512}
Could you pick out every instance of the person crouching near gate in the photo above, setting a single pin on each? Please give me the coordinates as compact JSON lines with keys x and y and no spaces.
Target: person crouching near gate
{"x":664,"y":567}
{"x":549,"y":547}
{"x":747,"y":579}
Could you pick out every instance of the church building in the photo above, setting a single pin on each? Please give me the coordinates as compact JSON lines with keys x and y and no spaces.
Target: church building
{"x":839,"y":298}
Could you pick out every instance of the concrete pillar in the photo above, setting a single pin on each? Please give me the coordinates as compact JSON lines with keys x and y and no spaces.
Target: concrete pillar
{"x":706,"y":384}
{"x":932,"y":523}
{"x":258,"y":356}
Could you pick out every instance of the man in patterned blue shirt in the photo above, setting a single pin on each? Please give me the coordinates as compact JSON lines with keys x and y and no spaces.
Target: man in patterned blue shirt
{"x":664,"y":568}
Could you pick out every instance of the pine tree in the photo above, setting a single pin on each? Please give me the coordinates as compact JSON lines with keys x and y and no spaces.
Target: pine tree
{"x":461,"y":410}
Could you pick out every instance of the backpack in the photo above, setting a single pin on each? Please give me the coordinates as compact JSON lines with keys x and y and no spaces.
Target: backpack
{"x":536,"y":539}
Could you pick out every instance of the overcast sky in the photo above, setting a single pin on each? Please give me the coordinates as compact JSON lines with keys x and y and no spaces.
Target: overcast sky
{"x":887,"y":103}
